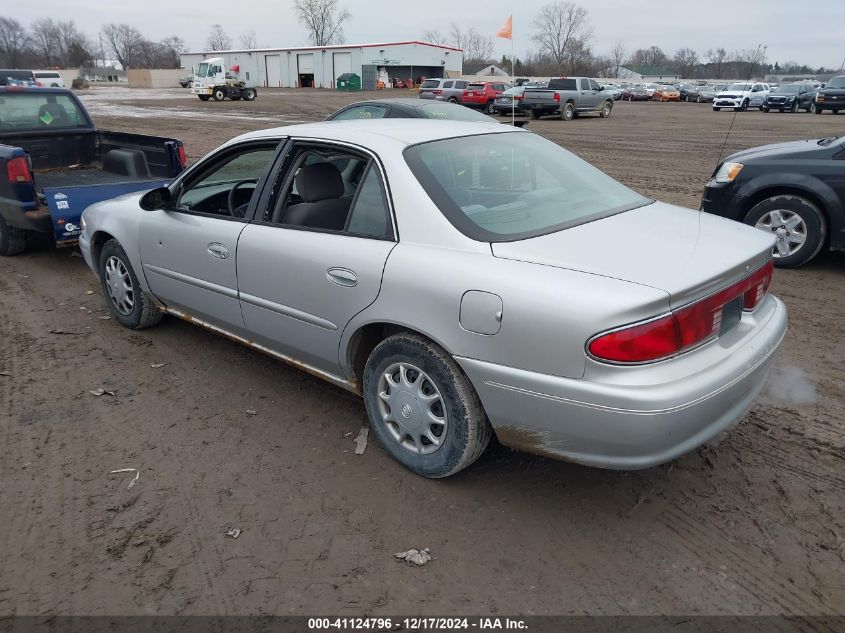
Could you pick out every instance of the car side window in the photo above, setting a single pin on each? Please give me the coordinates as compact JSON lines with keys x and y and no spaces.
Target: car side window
{"x":585,"y":84}
{"x":362,"y":112}
{"x":461,"y":84}
{"x":330,"y":188}
{"x":238,"y":169}
{"x":594,"y":85}
{"x":448,"y":84}
{"x":370,"y":214}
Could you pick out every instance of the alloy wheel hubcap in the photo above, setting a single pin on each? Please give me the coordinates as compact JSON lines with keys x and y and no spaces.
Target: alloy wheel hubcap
{"x":789,"y":229}
{"x":119,"y":286}
{"x":412,"y":408}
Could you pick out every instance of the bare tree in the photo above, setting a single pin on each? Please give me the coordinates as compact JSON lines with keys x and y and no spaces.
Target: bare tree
{"x":476,"y":47}
{"x":323,"y":19}
{"x":12,"y":41}
{"x":652,"y":56}
{"x":45,"y":37}
{"x":617,"y":57}
{"x":218,"y":39}
{"x":557,"y":28}
{"x":248,"y":39}
{"x":716,"y":58}
{"x":685,"y":62}
{"x":434,"y":37}
{"x":123,"y":42}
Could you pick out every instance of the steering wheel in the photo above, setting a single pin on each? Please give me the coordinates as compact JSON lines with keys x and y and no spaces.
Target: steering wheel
{"x":231,"y":200}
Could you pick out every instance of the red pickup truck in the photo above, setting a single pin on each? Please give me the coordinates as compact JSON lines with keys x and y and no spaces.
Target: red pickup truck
{"x":483,"y":95}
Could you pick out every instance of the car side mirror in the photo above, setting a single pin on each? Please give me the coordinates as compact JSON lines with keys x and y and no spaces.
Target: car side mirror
{"x":824,"y":85}
{"x":601,"y":88}
{"x":155,"y":199}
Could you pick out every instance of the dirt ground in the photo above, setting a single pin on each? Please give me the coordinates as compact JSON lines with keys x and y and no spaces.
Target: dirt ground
{"x":752,"y":526}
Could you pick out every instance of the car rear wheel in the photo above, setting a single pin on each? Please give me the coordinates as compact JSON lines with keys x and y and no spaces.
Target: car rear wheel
{"x":812,"y":107}
{"x":128,"y":303}
{"x":535,"y":114}
{"x":567,"y":113}
{"x":422,"y":408}
{"x":452,"y":100}
{"x":250,"y":94}
{"x":218,"y":94}
{"x":12,"y":239}
{"x":797,"y":224}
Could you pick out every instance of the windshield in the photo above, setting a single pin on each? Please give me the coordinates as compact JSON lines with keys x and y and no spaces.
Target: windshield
{"x":452,"y":112}
{"x":16,"y":78}
{"x":202,"y":69}
{"x":837,"y":82}
{"x":789,"y":90}
{"x":740,"y":87}
{"x":475,"y":87}
{"x":430,"y":83}
{"x":25,"y":111}
{"x":510,"y":186}
{"x":516,"y":91}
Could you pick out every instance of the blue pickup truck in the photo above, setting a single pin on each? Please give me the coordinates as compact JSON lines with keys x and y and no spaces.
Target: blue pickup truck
{"x":54,"y":163}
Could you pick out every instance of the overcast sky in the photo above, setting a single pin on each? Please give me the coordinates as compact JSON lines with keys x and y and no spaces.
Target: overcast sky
{"x":806,"y":31}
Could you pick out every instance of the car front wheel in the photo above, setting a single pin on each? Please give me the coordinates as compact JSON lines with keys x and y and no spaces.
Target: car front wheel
{"x":796,"y":223}
{"x":422,"y":408}
{"x":128,"y":303}
{"x":606,"y":109}
{"x":218,"y":95}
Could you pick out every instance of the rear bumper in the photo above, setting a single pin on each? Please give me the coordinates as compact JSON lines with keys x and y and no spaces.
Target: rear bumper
{"x":633,"y":417}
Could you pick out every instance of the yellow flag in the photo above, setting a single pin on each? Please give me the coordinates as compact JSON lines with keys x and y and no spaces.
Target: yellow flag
{"x":507,"y":29}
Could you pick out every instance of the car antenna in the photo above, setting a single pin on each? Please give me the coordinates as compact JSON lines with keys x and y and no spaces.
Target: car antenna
{"x":747,"y":79}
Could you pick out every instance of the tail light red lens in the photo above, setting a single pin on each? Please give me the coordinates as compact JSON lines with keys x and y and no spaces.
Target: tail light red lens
{"x":437,"y":92}
{"x":682,"y":329}
{"x":557,"y":96}
{"x":17,"y":169}
{"x":518,"y":98}
{"x":183,"y":158}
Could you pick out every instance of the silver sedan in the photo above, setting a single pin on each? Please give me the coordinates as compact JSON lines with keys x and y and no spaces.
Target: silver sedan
{"x":466,"y":279}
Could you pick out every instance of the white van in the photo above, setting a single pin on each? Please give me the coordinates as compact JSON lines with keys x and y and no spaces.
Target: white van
{"x":49,"y":78}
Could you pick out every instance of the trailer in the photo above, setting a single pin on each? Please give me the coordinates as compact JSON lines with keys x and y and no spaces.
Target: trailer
{"x":211,"y":80}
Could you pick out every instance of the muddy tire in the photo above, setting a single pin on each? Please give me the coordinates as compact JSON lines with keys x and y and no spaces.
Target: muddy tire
{"x":128,"y":303}
{"x":567,"y":111}
{"x":606,"y":109}
{"x":422,"y":408}
{"x":798,"y":224}
{"x":12,"y":239}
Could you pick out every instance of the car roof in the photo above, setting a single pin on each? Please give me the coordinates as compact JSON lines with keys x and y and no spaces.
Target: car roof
{"x":402,"y":132}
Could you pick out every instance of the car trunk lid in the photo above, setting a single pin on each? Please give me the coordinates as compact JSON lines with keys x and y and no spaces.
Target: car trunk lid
{"x":685,"y":253}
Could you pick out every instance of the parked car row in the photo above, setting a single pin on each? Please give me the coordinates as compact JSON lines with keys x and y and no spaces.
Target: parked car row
{"x":480,"y":95}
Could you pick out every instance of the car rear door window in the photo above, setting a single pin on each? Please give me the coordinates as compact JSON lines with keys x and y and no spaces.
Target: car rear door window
{"x":585,"y":84}
{"x":370,"y":215}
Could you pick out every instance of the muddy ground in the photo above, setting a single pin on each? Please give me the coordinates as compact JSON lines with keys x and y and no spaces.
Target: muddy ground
{"x":752,"y":526}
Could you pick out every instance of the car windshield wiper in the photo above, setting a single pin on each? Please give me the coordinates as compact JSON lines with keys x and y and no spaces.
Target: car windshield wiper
{"x":827,"y":141}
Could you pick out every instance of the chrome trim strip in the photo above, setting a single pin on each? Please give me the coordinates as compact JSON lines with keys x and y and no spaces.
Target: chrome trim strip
{"x":284,"y":310}
{"x":193,"y":281}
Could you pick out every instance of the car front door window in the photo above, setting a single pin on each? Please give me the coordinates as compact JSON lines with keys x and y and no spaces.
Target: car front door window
{"x":232,"y":179}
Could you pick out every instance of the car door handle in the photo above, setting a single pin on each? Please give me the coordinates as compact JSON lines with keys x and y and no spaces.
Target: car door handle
{"x":218,"y":250}
{"x":342,"y":277}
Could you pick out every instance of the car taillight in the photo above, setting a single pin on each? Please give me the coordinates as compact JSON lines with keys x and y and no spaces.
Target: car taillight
{"x":39,"y":84}
{"x":518,"y":98}
{"x":183,"y":158}
{"x":681,"y":329}
{"x":437,"y":92}
{"x":17,"y":169}
{"x":557,"y":96}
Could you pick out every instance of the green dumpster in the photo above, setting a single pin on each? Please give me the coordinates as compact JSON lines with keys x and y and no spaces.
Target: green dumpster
{"x":349,"y":82}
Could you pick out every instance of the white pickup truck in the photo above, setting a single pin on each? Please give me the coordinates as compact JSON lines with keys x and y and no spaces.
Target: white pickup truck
{"x":741,"y":96}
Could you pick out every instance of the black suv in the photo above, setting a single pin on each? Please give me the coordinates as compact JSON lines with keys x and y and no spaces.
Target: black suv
{"x":831,"y":96}
{"x":790,"y":98}
{"x":795,"y":190}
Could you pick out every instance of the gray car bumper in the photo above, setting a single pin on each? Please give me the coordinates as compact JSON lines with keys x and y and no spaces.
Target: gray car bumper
{"x":633,"y":417}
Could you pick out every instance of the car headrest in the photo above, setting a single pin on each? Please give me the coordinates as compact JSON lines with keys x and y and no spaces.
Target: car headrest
{"x":320,"y":181}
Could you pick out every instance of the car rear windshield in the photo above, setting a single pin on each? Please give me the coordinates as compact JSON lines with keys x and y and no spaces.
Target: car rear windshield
{"x":27,"y":111}
{"x":430,"y":83}
{"x":836,"y":82}
{"x":790,"y":89}
{"x":452,"y":112}
{"x":562,"y":84}
{"x":514,"y":185}
{"x":475,"y":87}
{"x":740,"y":87}
{"x":47,"y":75}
